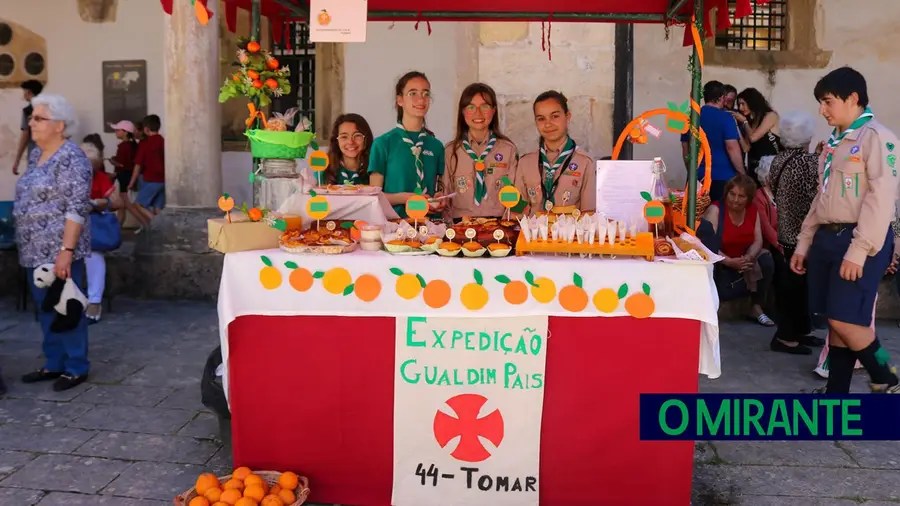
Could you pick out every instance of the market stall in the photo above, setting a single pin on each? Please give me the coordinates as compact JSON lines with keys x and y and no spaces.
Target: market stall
{"x":405,"y":377}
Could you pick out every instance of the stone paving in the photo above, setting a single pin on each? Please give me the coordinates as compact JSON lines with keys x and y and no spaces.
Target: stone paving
{"x":136,"y":433}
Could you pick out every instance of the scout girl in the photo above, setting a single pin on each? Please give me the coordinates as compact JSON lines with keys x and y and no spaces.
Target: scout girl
{"x":409,"y":157}
{"x":846,"y":241}
{"x":348,"y":151}
{"x":559,"y":174}
{"x":479,"y":157}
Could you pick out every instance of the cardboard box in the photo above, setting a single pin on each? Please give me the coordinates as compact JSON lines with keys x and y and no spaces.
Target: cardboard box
{"x":241,"y":235}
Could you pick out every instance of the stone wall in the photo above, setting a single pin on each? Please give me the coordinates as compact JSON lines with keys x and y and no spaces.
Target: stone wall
{"x":511,"y":61}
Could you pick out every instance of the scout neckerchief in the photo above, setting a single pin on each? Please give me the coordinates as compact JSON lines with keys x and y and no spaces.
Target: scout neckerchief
{"x":480,"y":189}
{"x":416,"y":149}
{"x":836,"y":139}
{"x":550,"y":179}
{"x":345,"y":176}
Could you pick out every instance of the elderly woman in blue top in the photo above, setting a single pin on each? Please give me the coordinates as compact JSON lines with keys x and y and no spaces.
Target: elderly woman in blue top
{"x":51,"y":211}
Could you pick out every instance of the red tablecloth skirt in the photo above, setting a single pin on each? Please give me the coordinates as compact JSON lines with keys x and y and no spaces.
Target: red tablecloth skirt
{"x":316,"y":395}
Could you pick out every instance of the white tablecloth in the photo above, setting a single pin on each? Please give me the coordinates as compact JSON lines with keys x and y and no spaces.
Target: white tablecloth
{"x":678,"y":290}
{"x":373,"y":209}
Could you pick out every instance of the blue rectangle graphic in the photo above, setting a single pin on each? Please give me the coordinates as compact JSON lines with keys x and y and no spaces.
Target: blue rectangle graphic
{"x":704,"y":417}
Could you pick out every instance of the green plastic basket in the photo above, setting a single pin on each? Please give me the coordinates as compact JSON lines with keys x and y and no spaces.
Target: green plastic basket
{"x":273,"y":144}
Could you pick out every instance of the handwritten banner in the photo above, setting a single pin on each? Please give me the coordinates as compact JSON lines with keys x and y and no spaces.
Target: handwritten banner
{"x":468,"y":398}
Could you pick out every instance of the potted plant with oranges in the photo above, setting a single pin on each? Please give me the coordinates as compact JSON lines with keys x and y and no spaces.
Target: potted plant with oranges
{"x":260,"y":77}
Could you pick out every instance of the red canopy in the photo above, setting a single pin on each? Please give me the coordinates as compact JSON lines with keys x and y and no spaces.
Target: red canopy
{"x":646,"y":11}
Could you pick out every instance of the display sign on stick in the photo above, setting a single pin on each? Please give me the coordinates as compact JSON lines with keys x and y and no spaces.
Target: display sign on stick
{"x":468,"y":399}
{"x":338,"y":20}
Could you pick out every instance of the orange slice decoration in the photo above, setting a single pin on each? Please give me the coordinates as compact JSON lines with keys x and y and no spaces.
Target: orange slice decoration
{"x":479,"y":166}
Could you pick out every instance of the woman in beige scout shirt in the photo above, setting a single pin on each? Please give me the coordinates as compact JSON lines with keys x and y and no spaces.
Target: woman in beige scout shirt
{"x":558,"y":174}
{"x":479,"y":157}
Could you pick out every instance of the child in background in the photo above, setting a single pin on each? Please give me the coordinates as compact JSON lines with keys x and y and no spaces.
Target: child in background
{"x":150,"y":169}
{"x":124,"y":160}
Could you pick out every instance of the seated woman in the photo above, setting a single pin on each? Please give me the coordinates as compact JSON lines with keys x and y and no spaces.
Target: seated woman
{"x":748,"y":267}
{"x":348,"y":151}
{"x":480,"y":156}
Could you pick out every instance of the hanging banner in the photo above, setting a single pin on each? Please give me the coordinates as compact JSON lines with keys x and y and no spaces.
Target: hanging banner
{"x":338,"y":20}
{"x":468,"y":399}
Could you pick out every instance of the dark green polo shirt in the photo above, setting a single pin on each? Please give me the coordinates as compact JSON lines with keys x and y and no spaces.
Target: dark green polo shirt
{"x":391,"y":156}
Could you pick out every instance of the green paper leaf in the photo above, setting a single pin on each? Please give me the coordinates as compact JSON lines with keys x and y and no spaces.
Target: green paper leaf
{"x":312,"y":193}
{"x":252,"y":178}
{"x":673,"y":198}
{"x":396,"y":272}
{"x":672,"y":106}
{"x":418,"y":191}
{"x":347,"y":224}
{"x":646,"y":288}
{"x":421,"y":280}
{"x":266,"y":261}
{"x":314,"y":145}
{"x":646,"y":196}
{"x":318,"y":275}
{"x":685,"y":106}
{"x":623,"y":291}
{"x":227,"y":196}
{"x":506,"y":181}
{"x":280,"y":224}
{"x":478,"y":278}
{"x":529,"y":278}
{"x":577,"y":279}
{"x":291,"y":265}
{"x":348,"y":290}
{"x":502,"y":279}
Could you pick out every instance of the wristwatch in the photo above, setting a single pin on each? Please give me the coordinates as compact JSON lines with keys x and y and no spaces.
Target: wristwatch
{"x":63,"y":248}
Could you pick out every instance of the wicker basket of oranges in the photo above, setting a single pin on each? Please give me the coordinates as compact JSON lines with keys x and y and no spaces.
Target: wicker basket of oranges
{"x":247,"y":488}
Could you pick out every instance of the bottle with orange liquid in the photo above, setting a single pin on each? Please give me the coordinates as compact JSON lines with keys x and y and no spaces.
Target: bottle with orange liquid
{"x":660,"y":192}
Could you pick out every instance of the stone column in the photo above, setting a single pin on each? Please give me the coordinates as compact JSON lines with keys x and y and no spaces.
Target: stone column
{"x":192,"y":123}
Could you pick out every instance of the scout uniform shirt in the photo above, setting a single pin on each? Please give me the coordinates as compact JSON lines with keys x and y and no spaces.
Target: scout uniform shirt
{"x":392,"y":156}
{"x":861,"y":188}
{"x":460,"y":177}
{"x":576,"y":182}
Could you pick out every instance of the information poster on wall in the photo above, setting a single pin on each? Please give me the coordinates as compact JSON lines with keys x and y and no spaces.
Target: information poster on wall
{"x":468,"y":399}
{"x":619,"y":187}
{"x":124,"y":91}
{"x":338,"y":20}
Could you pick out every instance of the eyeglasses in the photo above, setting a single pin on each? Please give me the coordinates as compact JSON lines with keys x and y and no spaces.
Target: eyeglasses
{"x":485,"y":108}
{"x":424,"y":94}
{"x":357,"y":137}
{"x":38,"y":119}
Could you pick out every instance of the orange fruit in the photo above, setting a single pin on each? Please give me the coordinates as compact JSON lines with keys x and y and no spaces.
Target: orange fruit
{"x":272,"y":64}
{"x":271,"y":83}
{"x":367,"y":287}
{"x":241,"y":473}
{"x":515,"y":292}
{"x":271,"y":500}
{"x":300,"y":279}
{"x":640,"y":305}
{"x":213,"y":494}
{"x":199,"y":501}
{"x":220,"y":503}
{"x":254,"y":491}
{"x":234,"y":484}
{"x":205,"y":482}
{"x":436,"y":293}
{"x":236,"y":77}
{"x":252,"y":74}
{"x":275,"y":489}
{"x":253,"y":479}
{"x":288,"y":481}
{"x":253,"y":46}
{"x":257,"y":84}
{"x":230,"y":496}
{"x":287,"y":497}
{"x":573,"y":298}
{"x":254,"y":214}
{"x":246,"y":501}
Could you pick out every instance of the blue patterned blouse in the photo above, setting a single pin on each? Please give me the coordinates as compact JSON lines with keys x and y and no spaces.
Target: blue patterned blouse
{"x":46,"y":196}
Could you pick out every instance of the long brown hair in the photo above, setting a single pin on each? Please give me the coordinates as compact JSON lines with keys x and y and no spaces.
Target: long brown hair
{"x":398,"y":92}
{"x":462,"y":129}
{"x":334,"y":150}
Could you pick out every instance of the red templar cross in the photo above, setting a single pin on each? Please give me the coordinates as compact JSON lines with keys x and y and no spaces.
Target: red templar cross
{"x":468,"y":427}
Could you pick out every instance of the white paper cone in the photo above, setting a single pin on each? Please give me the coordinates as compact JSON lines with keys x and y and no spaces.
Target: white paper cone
{"x":623,"y":229}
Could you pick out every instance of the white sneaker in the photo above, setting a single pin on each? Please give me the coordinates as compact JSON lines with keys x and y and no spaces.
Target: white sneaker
{"x":821,"y":371}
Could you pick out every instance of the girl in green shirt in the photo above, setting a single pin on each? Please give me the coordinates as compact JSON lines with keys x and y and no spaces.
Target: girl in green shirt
{"x":409,"y":157}
{"x":348,"y":151}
